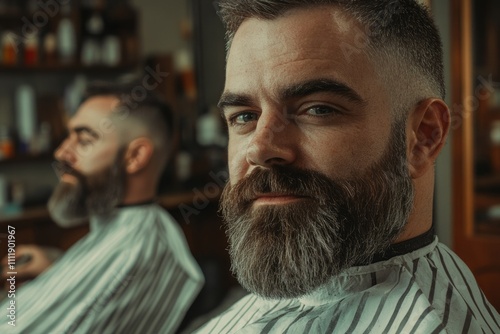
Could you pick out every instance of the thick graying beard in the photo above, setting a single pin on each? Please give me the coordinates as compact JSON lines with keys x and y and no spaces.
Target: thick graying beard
{"x":289,"y":251}
{"x":71,"y":204}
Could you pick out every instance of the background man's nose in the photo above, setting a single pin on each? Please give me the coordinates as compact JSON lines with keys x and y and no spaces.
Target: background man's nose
{"x":65,"y":152}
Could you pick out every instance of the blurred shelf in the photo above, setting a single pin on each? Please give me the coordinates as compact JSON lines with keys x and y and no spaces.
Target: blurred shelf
{"x":488,"y":227}
{"x":45,"y":157}
{"x":43,"y":68}
{"x":487,"y":180}
{"x":495,"y":111}
{"x":486,"y":222}
{"x":485,"y":201}
{"x":487,"y":183}
{"x":33,"y":215}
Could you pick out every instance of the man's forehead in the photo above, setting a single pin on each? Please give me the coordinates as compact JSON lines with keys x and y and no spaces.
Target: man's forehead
{"x":303,"y":32}
{"x":102,"y":103}
{"x":94,"y":110}
{"x":280,"y":52}
{"x":318,"y":18}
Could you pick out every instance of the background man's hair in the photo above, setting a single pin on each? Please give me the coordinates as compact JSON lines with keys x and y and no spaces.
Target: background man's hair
{"x":135,"y":106}
{"x":399,"y":32}
{"x":147,"y":110}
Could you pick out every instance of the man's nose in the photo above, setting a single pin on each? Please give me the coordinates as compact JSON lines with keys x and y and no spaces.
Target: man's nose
{"x":65,"y":152}
{"x":272,"y":142}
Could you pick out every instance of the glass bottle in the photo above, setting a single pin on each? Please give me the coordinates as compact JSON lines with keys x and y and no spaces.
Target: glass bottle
{"x":66,"y":36}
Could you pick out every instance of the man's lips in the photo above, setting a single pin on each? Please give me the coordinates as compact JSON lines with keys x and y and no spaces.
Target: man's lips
{"x":67,"y":177}
{"x":66,"y":172}
{"x":272,"y":198}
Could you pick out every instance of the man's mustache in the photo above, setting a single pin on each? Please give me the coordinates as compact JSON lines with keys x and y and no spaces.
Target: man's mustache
{"x":280,"y":180}
{"x":63,"y":167}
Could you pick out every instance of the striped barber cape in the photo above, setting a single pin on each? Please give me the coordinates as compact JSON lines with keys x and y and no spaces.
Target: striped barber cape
{"x":133,"y":273}
{"x":426,"y":291}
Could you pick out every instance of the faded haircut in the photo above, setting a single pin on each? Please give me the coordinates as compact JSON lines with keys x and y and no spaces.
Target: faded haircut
{"x":401,"y":36}
{"x":146,"y":110}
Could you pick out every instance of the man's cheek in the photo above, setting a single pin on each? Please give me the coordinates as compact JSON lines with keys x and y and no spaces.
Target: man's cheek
{"x":97,"y":164}
{"x":238,"y":169}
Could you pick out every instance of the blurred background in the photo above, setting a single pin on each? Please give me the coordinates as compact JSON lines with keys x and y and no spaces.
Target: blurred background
{"x":50,"y":50}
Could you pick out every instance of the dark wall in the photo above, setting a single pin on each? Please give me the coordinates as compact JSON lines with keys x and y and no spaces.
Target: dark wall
{"x":209,"y":53}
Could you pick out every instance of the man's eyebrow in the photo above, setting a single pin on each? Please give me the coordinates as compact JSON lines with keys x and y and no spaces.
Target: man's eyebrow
{"x":321,"y":85}
{"x":229,"y":99}
{"x":302,"y":89}
{"x":86,"y":129}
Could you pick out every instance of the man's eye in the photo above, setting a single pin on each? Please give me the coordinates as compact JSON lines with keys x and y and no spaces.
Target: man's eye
{"x":84,"y":142}
{"x":242,"y":118}
{"x":321,"y":110}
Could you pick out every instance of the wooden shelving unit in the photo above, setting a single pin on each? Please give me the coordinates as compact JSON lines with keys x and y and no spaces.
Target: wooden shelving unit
{"x":59,"y":68}
{"x":21,"y":159}
{"x":476,"y":183}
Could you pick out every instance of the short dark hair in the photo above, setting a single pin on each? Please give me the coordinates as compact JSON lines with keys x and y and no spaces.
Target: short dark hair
{"x":400,"y":29}
{"x":146,"y":108}
{"x":149,"y":99}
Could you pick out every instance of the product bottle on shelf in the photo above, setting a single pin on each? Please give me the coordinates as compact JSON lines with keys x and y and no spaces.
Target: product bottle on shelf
{"x":26,"y":117}
{"x":66,"y":36}
{"x":43,"y":142}
{"x":9,"y":49}
{"x":50,"y":49}
{"x":31,"y":50}
{"x":74,"y":93}
{"x":111,"y":51}
{"x":185,"y":67}
{"x":6,"y":143}
{"x":93,"y":32}
{"x":495,"y":146}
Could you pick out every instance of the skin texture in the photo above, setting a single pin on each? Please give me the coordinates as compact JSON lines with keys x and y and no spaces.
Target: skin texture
{"x":322,"y":130}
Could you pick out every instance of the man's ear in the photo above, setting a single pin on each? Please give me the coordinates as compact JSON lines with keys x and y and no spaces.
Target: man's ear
{"x":429,"y":124}
{"x":138,"y":155}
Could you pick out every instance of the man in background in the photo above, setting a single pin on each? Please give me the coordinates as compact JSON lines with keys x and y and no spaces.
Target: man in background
{"x":133,"y":272}
{"x":336,"y":117}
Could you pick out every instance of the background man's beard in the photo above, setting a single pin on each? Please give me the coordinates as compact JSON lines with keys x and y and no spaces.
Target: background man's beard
{"x":72,"y":204}
{"x":287,"y":251}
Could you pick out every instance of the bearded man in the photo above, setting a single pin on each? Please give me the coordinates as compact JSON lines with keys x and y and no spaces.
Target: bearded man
{"x":336,"y":117}
{"x":133,"y":272}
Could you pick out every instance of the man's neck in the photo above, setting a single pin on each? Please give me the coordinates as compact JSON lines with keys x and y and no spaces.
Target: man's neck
{"x":406,"y":246}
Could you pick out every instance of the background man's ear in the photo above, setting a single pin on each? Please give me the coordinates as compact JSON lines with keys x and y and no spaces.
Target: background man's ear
{"x":428,"y":129}
{"x":138,"y":155}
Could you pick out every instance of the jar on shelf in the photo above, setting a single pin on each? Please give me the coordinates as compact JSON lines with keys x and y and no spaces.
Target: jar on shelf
{"x":6,"y":144}
{"x":495,"y":146}
{"x":9,"y":49}
{"x":66,"y":36}
{"x":31,"y":50}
